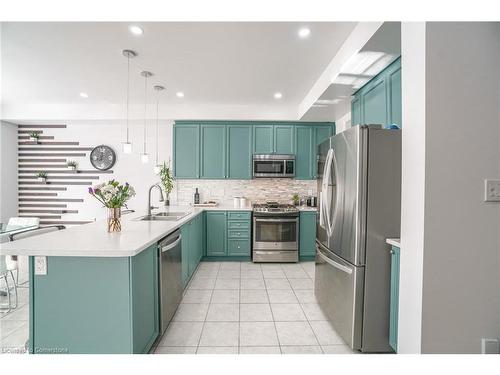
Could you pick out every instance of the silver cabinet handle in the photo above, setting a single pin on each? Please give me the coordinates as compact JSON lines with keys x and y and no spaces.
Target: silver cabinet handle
{"x":172,"y":245}
{"x":334,"y":264}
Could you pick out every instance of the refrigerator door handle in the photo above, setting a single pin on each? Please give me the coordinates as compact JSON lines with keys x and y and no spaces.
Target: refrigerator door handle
{"x":333,"y":263}
{"x":333,"y":221}
{"x":324,"y":219}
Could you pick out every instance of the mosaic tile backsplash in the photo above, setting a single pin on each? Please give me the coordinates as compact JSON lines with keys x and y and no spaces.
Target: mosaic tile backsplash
{"x":256,"y":190}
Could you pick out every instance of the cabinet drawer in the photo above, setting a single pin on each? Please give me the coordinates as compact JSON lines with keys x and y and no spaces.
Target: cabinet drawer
{"x":235,"y":233}
{"x":238,"y":215}
{"x":238,"y":224}
{"x":238,"y":247}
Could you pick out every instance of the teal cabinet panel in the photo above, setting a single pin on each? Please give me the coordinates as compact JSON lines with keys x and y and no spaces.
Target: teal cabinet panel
{"x":239,"y":154}
{"x":321,"y":133}
{"x":263,"y":139}
{"x":304,"y":157}
{"x":374,"y":99}
{"x":394,"y":94}
{"x":356,"y":111}
{"x":284,"y":139}
{"x":185,"y":257}
{"x":238,"y":233}
{"x":186,"y":151}
{"x":239,"y":215}
{"x":238,"y":247}
{"x":213,"y":151}
{"x":307,"y":233}
{"x":95,"y":305}
{"x":216,"y":233}
{"x":145,"y":310}
{"x":394,"y":304}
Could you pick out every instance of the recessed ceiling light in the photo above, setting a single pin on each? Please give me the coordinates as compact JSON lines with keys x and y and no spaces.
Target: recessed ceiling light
{"x":278,"y":95}
{"x":84,"y":95}
{"x":136,"y":30}
{"x":180,"y":94}
{"x":304,"y":32}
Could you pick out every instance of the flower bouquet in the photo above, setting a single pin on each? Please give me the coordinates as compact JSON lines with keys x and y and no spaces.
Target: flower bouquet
{"x":113,"y":196}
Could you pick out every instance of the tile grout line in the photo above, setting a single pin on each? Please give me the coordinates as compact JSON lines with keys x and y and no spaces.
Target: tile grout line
{"x":307,"y":318}
{"x":206,"y":314}
{"x":272,"y":315}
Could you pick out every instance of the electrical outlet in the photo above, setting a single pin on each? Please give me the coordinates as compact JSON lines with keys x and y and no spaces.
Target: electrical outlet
{"x":492,"y":190}
{"x":489,"y":346}
{"x":40,"y":265}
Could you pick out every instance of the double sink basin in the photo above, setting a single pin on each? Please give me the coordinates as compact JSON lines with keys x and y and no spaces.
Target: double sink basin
{"x":164,"y":216}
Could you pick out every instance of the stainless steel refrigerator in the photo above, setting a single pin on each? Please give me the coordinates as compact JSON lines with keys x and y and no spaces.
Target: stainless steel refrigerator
{"x":359,"y":190}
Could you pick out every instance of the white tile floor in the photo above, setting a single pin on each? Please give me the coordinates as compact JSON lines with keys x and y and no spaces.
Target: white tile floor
{"x":248,"y":308}
{"x":14,"y":325}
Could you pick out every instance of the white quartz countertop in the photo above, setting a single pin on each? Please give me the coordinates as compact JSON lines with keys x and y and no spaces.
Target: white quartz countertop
{"x":394,"y":241}
{"x":93,"y":240}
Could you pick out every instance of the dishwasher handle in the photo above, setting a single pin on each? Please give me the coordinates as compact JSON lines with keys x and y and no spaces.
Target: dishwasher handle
{"x":172,"y":245}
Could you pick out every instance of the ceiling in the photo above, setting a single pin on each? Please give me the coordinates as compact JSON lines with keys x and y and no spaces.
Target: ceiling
{"x":226,"y":70}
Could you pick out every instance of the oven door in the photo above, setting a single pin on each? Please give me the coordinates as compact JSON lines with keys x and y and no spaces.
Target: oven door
{"x":275,"y":233}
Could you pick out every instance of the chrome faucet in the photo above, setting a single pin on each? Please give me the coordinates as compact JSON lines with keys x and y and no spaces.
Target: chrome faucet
{"x":149,"y":197}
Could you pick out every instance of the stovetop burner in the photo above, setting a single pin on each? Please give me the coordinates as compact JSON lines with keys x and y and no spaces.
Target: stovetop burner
{"x":274,"y":207}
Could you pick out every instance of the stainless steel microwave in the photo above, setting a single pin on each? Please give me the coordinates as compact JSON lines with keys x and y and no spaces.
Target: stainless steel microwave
{"x":273,"y":165}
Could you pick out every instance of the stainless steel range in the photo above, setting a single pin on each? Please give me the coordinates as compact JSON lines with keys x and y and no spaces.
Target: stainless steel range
{"x":275,"y":232}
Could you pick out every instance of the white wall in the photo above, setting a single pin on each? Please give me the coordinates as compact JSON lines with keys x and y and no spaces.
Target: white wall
{"x":343,"y":122}
{"x":8,"y":171}
{"x":413,"y":186}
{"x":461,"y":298}
{"x":450,"y":255}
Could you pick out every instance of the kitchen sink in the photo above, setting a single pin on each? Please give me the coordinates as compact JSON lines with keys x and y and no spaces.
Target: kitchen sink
{"x":164,"y":216}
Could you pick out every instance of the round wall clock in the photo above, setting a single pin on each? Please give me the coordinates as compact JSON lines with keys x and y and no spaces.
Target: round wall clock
{"x":102,"y":157}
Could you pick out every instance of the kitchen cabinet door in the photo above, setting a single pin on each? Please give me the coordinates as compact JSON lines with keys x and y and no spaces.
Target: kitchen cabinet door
{"x":394,"y":93}
{"x":374,"y":106}
{"x":216,"y":233}
{"x":284,"y":139}
{"x":263,"y":139}
{"x":239,"y":154}
{"x":304,"y":158}
{"x":186,"y":151}
{"x":185,"y":243}
{"x":321,"y":133}
{"x":356,"y":111}
{"x":213,"y":151}
{"x":307,"y":233}
{"x":394,"y":306}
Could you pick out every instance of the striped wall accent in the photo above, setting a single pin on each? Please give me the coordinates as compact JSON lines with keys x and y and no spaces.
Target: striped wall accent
{"x":46,"y":200}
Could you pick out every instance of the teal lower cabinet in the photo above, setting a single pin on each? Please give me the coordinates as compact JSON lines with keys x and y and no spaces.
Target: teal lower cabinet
{"x":307,"y":234}
{"x":193,"y":246}
{"x":394,"y":307}
{"x":228,"y":233}
{"x":95,"y":304}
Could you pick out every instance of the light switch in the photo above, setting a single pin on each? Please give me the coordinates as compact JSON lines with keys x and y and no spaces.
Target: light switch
{"x":40,"y":265}
{"x":492,"y":190}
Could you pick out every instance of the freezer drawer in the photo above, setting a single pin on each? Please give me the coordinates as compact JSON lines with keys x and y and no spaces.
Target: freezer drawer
{"x":339,"y":291}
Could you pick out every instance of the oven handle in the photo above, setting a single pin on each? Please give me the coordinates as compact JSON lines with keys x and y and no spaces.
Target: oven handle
{"x":278,"y":220}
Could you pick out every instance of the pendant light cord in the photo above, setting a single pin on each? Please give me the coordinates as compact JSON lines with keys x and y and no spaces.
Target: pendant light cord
{"x":145,"y":109}
{"x":157,"y":123}
{"x":128,"y":89}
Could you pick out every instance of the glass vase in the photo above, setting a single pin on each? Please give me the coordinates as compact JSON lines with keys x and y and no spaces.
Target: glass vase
{"x":114,"y":220}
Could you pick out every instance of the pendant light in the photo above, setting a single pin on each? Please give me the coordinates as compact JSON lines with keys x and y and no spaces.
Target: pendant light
{"x":157,"y":88}
{"x":145,"y":155}
{"x":127,"y":145}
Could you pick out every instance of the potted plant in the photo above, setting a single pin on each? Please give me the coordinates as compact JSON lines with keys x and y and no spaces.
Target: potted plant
{"x":42,"y":176}
{"x":113,"y":196}
{"x":34,"y":136}
{"x":167,"y":181}
{"x":296,"y":199}
{"x":72,"y":165}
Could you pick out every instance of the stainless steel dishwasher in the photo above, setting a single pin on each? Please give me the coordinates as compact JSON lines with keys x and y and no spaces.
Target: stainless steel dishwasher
{"x":170,"y":277}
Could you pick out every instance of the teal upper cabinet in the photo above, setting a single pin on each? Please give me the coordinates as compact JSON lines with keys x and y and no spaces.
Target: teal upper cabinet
{"x":223,"y":149}
{"x":186,"y":151}
{"x":379,"y":101}
{"x":356,"y":111}
{"x":213,"y":151}
{"x":374,"y":110}
{"x":304,"y":158}
{"x":263,"y":139}
{"x":239,"y":155}
{"x":216,"y":233}
{"x":284,"y":139}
